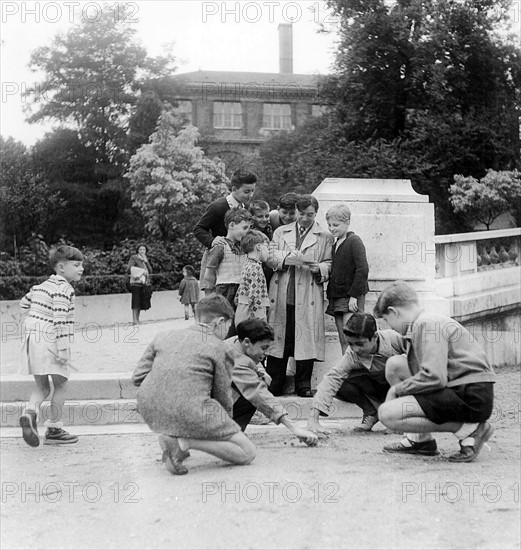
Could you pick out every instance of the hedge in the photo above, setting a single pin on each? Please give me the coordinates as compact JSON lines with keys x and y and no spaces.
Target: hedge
{"x":15,"y":287}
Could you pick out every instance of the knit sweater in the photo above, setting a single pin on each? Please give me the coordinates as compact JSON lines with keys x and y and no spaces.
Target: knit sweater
{"x":49,"y":308}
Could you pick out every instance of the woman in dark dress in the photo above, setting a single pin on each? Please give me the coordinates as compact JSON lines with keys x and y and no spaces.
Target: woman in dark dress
{"x":139,"y":282}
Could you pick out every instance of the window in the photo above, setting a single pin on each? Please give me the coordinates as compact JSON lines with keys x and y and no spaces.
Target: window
{"x":227,"y":114}
{"x":184,"y":107}
{"x":277,"y":116}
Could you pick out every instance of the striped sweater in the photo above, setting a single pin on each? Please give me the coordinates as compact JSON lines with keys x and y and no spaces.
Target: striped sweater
{"x":49,"y":309}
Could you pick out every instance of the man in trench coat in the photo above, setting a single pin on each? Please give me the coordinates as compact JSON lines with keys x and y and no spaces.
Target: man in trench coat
{"x":301,"y":258}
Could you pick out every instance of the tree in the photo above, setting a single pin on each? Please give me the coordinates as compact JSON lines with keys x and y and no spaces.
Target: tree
{"x":484,"y":200}
{"x":172,"y":181}
{"x":26,"y":200}
{"x":91,"y":83}
{"x":423,"y":84}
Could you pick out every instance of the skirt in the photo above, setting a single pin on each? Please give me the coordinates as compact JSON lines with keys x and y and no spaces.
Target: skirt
{"x":141,"y":297}
{"x":38,"y":357}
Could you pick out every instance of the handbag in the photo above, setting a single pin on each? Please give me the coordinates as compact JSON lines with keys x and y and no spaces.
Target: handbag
{"x":138,"y":275}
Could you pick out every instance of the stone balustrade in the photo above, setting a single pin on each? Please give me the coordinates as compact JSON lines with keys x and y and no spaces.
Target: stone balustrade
{"x":467,"y":253}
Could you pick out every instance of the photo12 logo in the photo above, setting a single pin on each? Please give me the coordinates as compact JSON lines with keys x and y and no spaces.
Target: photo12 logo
{"x":71,"y":12}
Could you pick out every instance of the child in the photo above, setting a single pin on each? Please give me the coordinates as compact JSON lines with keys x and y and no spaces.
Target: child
{"x":250,"y":390}
{"x":211,"y":230}
{"x":252,"y":295}
{"x":48,"y":311}
{"x":444,"y":384}
{"x":347,"y":284}
{"x":286,"y":211}
{"x":225,"y":261}
{"x":260,"y":211}
{"x":189,"y":290}
{"x":359,"y":377}
{"x":185,"y":390}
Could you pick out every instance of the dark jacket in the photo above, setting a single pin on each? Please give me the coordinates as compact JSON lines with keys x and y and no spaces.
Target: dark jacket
{"x":350,"y":269}
{"x":211,"y":224}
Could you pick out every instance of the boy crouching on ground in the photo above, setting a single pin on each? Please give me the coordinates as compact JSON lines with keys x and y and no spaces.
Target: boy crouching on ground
{"x":451,"y":385}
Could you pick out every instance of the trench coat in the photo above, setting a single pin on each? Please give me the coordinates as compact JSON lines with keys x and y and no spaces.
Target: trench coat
{"x":309,"y":291}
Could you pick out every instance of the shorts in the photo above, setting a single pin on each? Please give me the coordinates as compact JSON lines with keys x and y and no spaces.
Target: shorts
{"x":466,"y":403}
{"x":338,"y":306}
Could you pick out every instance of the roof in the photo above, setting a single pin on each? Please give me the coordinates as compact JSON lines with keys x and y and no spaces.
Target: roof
{"x":239,"y":77}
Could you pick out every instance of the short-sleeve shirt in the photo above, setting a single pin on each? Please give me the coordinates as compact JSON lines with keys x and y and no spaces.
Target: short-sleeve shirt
{"x":252,"y":288}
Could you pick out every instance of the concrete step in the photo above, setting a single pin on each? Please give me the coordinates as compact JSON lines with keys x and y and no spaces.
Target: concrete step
{"x":124,"y":411}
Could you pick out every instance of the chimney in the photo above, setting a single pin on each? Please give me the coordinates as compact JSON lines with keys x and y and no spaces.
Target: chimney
{"x":285,"y":48}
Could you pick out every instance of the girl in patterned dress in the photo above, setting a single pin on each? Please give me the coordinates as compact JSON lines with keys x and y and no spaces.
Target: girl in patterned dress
{"x":252,"y":298}
{"x":48,"y":312}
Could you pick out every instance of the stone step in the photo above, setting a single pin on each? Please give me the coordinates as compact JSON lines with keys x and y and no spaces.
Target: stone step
{"x":123,"y":411}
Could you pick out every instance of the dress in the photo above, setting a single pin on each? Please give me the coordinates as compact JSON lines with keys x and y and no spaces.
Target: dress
{"x":49,"y":326}
{"x":185,"y":386}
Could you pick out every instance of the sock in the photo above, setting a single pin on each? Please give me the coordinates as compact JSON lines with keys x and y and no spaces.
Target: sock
{"x":418,"y":437}
{"x":183,"y":444}
{"x":465,"y":430}
{"x":49,"y":424}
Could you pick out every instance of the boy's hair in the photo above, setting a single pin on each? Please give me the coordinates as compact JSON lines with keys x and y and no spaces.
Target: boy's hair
{"x":397,"y":294}
{"x":189,"y":270}
{"x":254,"y":329}
{"x":305,"y":201}
{"x":213,"y":306}
{"x":360,"y":325}
{"x":64,"y":253}
{"x":252,"y":238}
{"x":236,"y":215}
{"x":288,"y":201}
{"x":339,"y":212}
{"x":257,"y":206}
{"x":242,"y":177}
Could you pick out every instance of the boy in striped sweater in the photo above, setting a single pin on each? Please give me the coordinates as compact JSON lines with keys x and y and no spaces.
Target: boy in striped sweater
{"x":48,"y":312}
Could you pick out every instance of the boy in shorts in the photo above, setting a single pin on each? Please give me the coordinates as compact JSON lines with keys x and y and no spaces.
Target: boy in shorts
{"x":443,"y":384}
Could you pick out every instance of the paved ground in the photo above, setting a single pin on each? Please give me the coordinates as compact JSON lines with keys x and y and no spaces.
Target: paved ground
{"x":111,"y":491}
{"x":99,"y":349}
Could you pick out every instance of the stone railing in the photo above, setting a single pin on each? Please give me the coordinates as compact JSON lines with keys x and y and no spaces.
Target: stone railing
{"x":467,"y":253}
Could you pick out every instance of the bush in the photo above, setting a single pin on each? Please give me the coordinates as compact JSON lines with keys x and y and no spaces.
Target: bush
{"x":106,"y":271}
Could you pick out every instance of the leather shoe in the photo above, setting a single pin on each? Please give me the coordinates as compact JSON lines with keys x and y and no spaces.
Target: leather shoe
{"x":305,"y":393}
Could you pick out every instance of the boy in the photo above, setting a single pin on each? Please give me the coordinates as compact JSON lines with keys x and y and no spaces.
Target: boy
{"x":48,"y":313}
{"x":347,"y":284}
{"x":211,"y":230}
{"x":249,"y":386}
{"x":260,"y":212}
{"x":286,"y":211}
{"x":359,"y":377}
{"x":451,"y":385}
{"x":225,"y":260}
{"x":185,"y":390}
{"x":252,"y":298}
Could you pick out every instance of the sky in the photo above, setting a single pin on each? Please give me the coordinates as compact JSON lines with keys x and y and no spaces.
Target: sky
{"x":208,"y":35}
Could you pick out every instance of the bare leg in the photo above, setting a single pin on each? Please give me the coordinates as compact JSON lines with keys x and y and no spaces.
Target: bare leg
{"x":238,"y":449}
{"x":135,"y":316}
{"x":340,"y":321}
{"x":187,"y":312}
{"x":40,"y":393}
{"x":58,"y":397}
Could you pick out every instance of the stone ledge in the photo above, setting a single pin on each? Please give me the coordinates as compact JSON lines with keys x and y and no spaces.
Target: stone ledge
{"x":124,"y":411}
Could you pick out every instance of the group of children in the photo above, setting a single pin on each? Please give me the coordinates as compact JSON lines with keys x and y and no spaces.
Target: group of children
{"x":199,"y":387}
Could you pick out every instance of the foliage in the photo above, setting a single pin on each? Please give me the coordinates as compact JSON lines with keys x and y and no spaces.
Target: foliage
{"x":105,"y":270}
{"x":26,"y":199}
{"x":417,"y":93}
{"x":92,"y":77}
{"x":485,"y":199}
{"x":171,"y":180}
